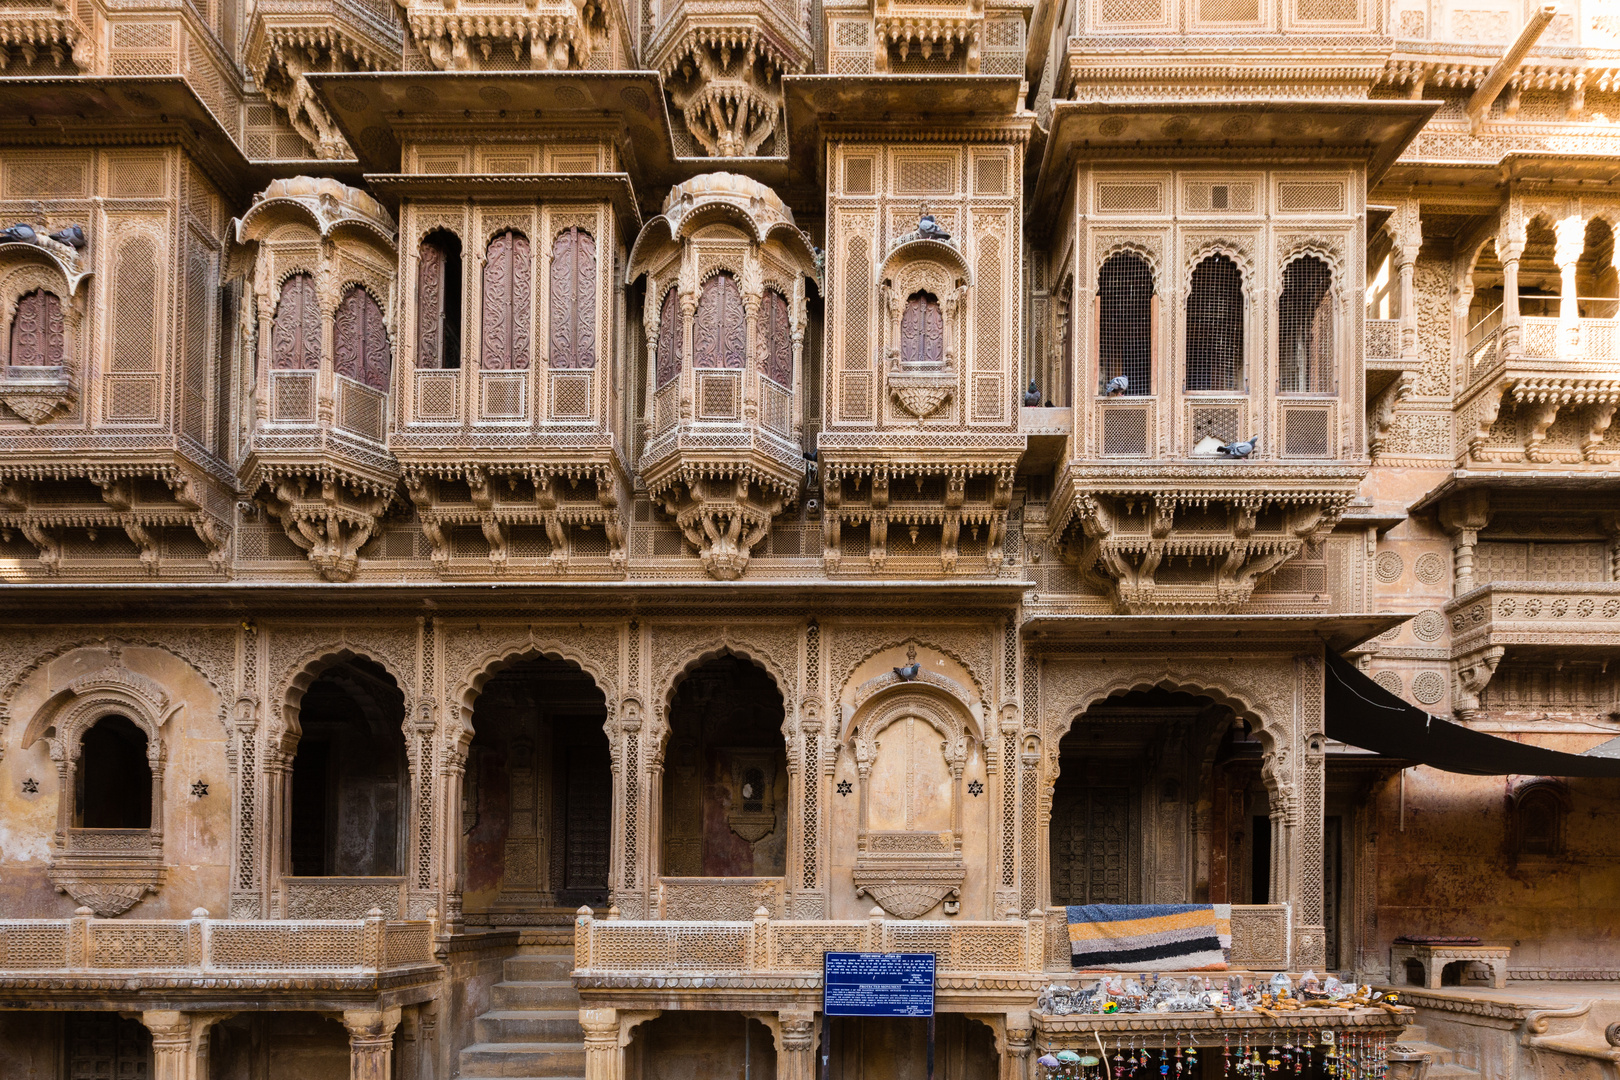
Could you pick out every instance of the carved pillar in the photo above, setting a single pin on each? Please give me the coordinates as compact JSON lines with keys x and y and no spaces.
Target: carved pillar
{"x":278,"y":760}
{"x":173,"y":1054}
{"x":154,"y":758}
{"x":1463,"y":516}
{"x":796,"y":1045}
{"x":247,"y":898}
{"x":750,"y":374}
{"x":1304,"y":840}
{"x":630,"y":783}
{"x":689,"y":303}
{"x":1511,"y":337}
{"x":1406,"y":264}
{"x":1570,"y":234}
{"x":452,"y":774}
{"x":261,"y":366}
{"x":371,"y":1042}
{"x":604,"y":1057}
{"x":1015,"y":1056}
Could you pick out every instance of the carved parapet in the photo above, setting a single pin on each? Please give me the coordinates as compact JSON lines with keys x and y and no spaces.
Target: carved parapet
{"x":288,"y":39}
{"x":723,"y":65}
{"x":1510,"y":407}
{"x":1488,"y":623}
{"x":1195,"y":538}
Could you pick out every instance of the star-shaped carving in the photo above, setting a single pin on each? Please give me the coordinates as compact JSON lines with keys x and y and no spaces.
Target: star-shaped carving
{"x":199,"y":789}
{"x":30,"y":786}
{"x":845,"y":787}
{"x":975,"y":788}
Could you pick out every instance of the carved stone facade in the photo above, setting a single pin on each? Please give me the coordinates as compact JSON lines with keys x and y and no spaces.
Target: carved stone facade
{"x":469,"y":558}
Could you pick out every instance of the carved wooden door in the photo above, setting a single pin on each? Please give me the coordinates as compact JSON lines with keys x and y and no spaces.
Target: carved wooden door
{"x":430,"y":266}
{"x":295,"y":335}
{"x":1094,"y":837}
{"x":360,"y":348}
{"x":106,"y":1046}
{"x":720,"y":336}
{"x":669,"y":339}
{"x":776,"y":356}
{"x":922,"y":331}
{"x":506,"y":303}
{"x":584,"y":776}
{"x":36,"y":331}
{"x":573,"y":300}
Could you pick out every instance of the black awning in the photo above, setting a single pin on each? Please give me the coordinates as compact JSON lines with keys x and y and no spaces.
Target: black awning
{"x":1362,"y":713}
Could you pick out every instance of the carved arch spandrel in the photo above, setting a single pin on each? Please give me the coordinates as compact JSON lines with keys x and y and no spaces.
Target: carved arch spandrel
{"x":843,"y":669}
{"x":471,"y":679}
{"x":316,"y":662}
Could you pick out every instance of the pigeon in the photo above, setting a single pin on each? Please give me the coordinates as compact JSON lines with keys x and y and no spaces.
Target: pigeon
{"x":18,"y":233}
{"x":929,"y":229}
{"x":1240,"y":449}
{"x":909,"y":672}
{"x":1032,"y":396}
{"x":811,"y":455}
{"x":72,"y":236}
{"x":1118,"y":385}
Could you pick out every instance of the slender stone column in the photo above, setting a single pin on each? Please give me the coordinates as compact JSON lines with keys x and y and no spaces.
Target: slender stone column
{"x":1020,"y":1037}
{"x":172,"y":1054}
{"x":371,"y":1042}
{"x":797,"y":1060}
{"x":604,"y":1057}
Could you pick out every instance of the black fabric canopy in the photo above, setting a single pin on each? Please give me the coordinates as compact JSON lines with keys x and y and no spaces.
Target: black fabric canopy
{"x":1364,"y":714}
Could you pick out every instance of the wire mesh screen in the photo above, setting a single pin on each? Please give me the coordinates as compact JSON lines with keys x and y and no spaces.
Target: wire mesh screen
{"x":1124,"y":333}
{"x":1215,"y":326}
{"x":1305,"y":334}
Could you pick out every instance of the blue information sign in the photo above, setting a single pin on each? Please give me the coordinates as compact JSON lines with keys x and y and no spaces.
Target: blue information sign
{"x":877,"y":984}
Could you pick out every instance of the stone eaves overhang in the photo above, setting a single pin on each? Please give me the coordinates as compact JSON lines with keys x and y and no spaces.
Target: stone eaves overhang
{"x":1540,"y":481}
{"x":1244,"y":634}
{"x":146,"y":602}
{"x":1559,"y":169}
{"x":1373,"y":133}
{"x":136,"y":111}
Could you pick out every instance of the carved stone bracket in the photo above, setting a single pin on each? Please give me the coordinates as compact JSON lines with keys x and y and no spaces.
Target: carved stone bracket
{"x":330,"y":517}
{"x":723,"y":511}
{"x":723,"y":68}
{"x":909,"y":890}
{"x":922,"y":393}
{"x":1471,"y":674}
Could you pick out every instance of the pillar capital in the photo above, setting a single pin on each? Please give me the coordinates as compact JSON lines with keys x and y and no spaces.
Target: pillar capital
{"x":371,"y":1042}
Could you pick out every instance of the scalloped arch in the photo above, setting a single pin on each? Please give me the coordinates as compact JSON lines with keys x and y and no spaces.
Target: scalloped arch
{"x":1330,"y":254}
{"x":1128,"y":247}
{"x":1238,"y":252}
{"x":928,"y":251}
{"x":315,"y":662}
{"x":470,"y":685}
{"x":716,"y":648}
{"x":18,"y":257}
{"x":980,"y":680}
{"x":892,"y":702}
{"x":1149,"y":678}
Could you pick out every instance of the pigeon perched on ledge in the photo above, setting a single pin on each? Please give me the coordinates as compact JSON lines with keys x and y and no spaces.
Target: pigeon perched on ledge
{"x":1240,"y":449}
{"x":909,"y":672}
{"x":18,"y":234}
{"x":72,"y":236}
{"x":929,"y":229}
{"x":1032,"y":396}
{"x":1118,"y":385}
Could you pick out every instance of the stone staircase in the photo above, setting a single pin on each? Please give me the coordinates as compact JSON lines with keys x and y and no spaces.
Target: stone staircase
{"x":532,"y":1027}
{"x":1443,"y":1061}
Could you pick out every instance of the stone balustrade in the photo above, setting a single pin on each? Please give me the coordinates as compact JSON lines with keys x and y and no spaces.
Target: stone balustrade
{"x":221,"y":948}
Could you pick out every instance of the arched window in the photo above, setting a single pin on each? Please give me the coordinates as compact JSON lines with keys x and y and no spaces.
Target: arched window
{"x":776,"y":339}
{"x":1539,"y":821}
{"x":1215,"y":326}
{"x":573,"y":300}
{"x":360,"y":348}
{"x":505,"y":345}
{"x":669,"y":339}
{"x":36,"y":331}
{"x":1125,"y":323}
{"x":720,"y":340}
{"x":438,"y":301}
{"x":1305,"y":328}
{"x":295,"y":336}
{"x":922,"y":330}
{"x":113,"y":783}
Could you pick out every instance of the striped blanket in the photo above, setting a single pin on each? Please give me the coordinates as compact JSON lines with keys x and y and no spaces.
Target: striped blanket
{"x":1150,"y":937}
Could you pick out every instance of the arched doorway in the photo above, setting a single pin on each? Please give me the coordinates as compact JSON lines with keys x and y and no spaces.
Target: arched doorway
{"x":113,"y":784}
{"x":1154,"y":802}
{"x":725,"y":774}
{"x":537,"y":799}
{"x":350,"y":776}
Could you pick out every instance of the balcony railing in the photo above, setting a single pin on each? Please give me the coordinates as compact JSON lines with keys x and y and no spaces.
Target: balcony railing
{"x":203,"y":945}
{"x":1580,"y":615}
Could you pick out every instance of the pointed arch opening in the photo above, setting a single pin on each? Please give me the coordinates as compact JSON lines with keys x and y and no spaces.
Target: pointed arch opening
{"x":438,"y":300}
{"x":38,"y":338}
{"x":507,"y":286}
{"x":295,"y":334}
{"x":537,"y":810}
{"x":1305,"y":334}
{"x":572,"y":310}
{"x":360,"y":347}
{"x":1215,"y":317}
{"x":720,"y":334}
{"x":1125,"y":294}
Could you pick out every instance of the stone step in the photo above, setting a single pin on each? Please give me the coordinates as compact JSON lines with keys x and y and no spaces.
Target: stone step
{"x":528,"y":1026}
{"x":540,"y":967}
{"x":1438,"y":1055}
{"x":1451,"y":1072}
{"x":531,"y":1059}
{"x":534,"y":995}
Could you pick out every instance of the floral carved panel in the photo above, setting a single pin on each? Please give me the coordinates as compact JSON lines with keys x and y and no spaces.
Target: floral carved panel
{"x":776,"y":353}
{"x":36,"y":331}
{"x":720,"y":340}
{"x":669,"y":339}
{"x":573,"y":300}
{"x":507,"y":286}
{"x":430,"y":307}
{"x":295,"y":336}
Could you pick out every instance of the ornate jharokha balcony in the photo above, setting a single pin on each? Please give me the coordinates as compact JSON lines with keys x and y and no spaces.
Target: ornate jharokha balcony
{"x":786,"y":953}
{"x":1571,"y":620}
{"x":206,"y":954}
{"x":1543,"y":392}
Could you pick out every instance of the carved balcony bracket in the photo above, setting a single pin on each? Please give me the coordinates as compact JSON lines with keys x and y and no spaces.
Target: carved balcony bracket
{"x":45,"y":502}
{"x":1510,"y":418}
{"x":547,"y":35}
{"x":922,"y":393}
{"x":909,"y":890}
{"x":328,"y":513}
{"x":1383,"y":412}
{"x":498,"y":498}
{"x":938,"y":507}
{"x":1471,"y":673}
{"x":1184,"y":547}
{"x":29,"y":31}
{"x":723,"y":509}
{"x":37,"y":394}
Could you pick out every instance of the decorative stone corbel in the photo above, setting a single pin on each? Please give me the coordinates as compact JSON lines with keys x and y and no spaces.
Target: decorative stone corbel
{"x":1463,"y":516}
{"x":1471,"y":675}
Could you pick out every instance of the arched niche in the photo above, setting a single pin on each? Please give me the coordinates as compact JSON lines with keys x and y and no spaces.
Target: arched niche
{"x":912,"y":744}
